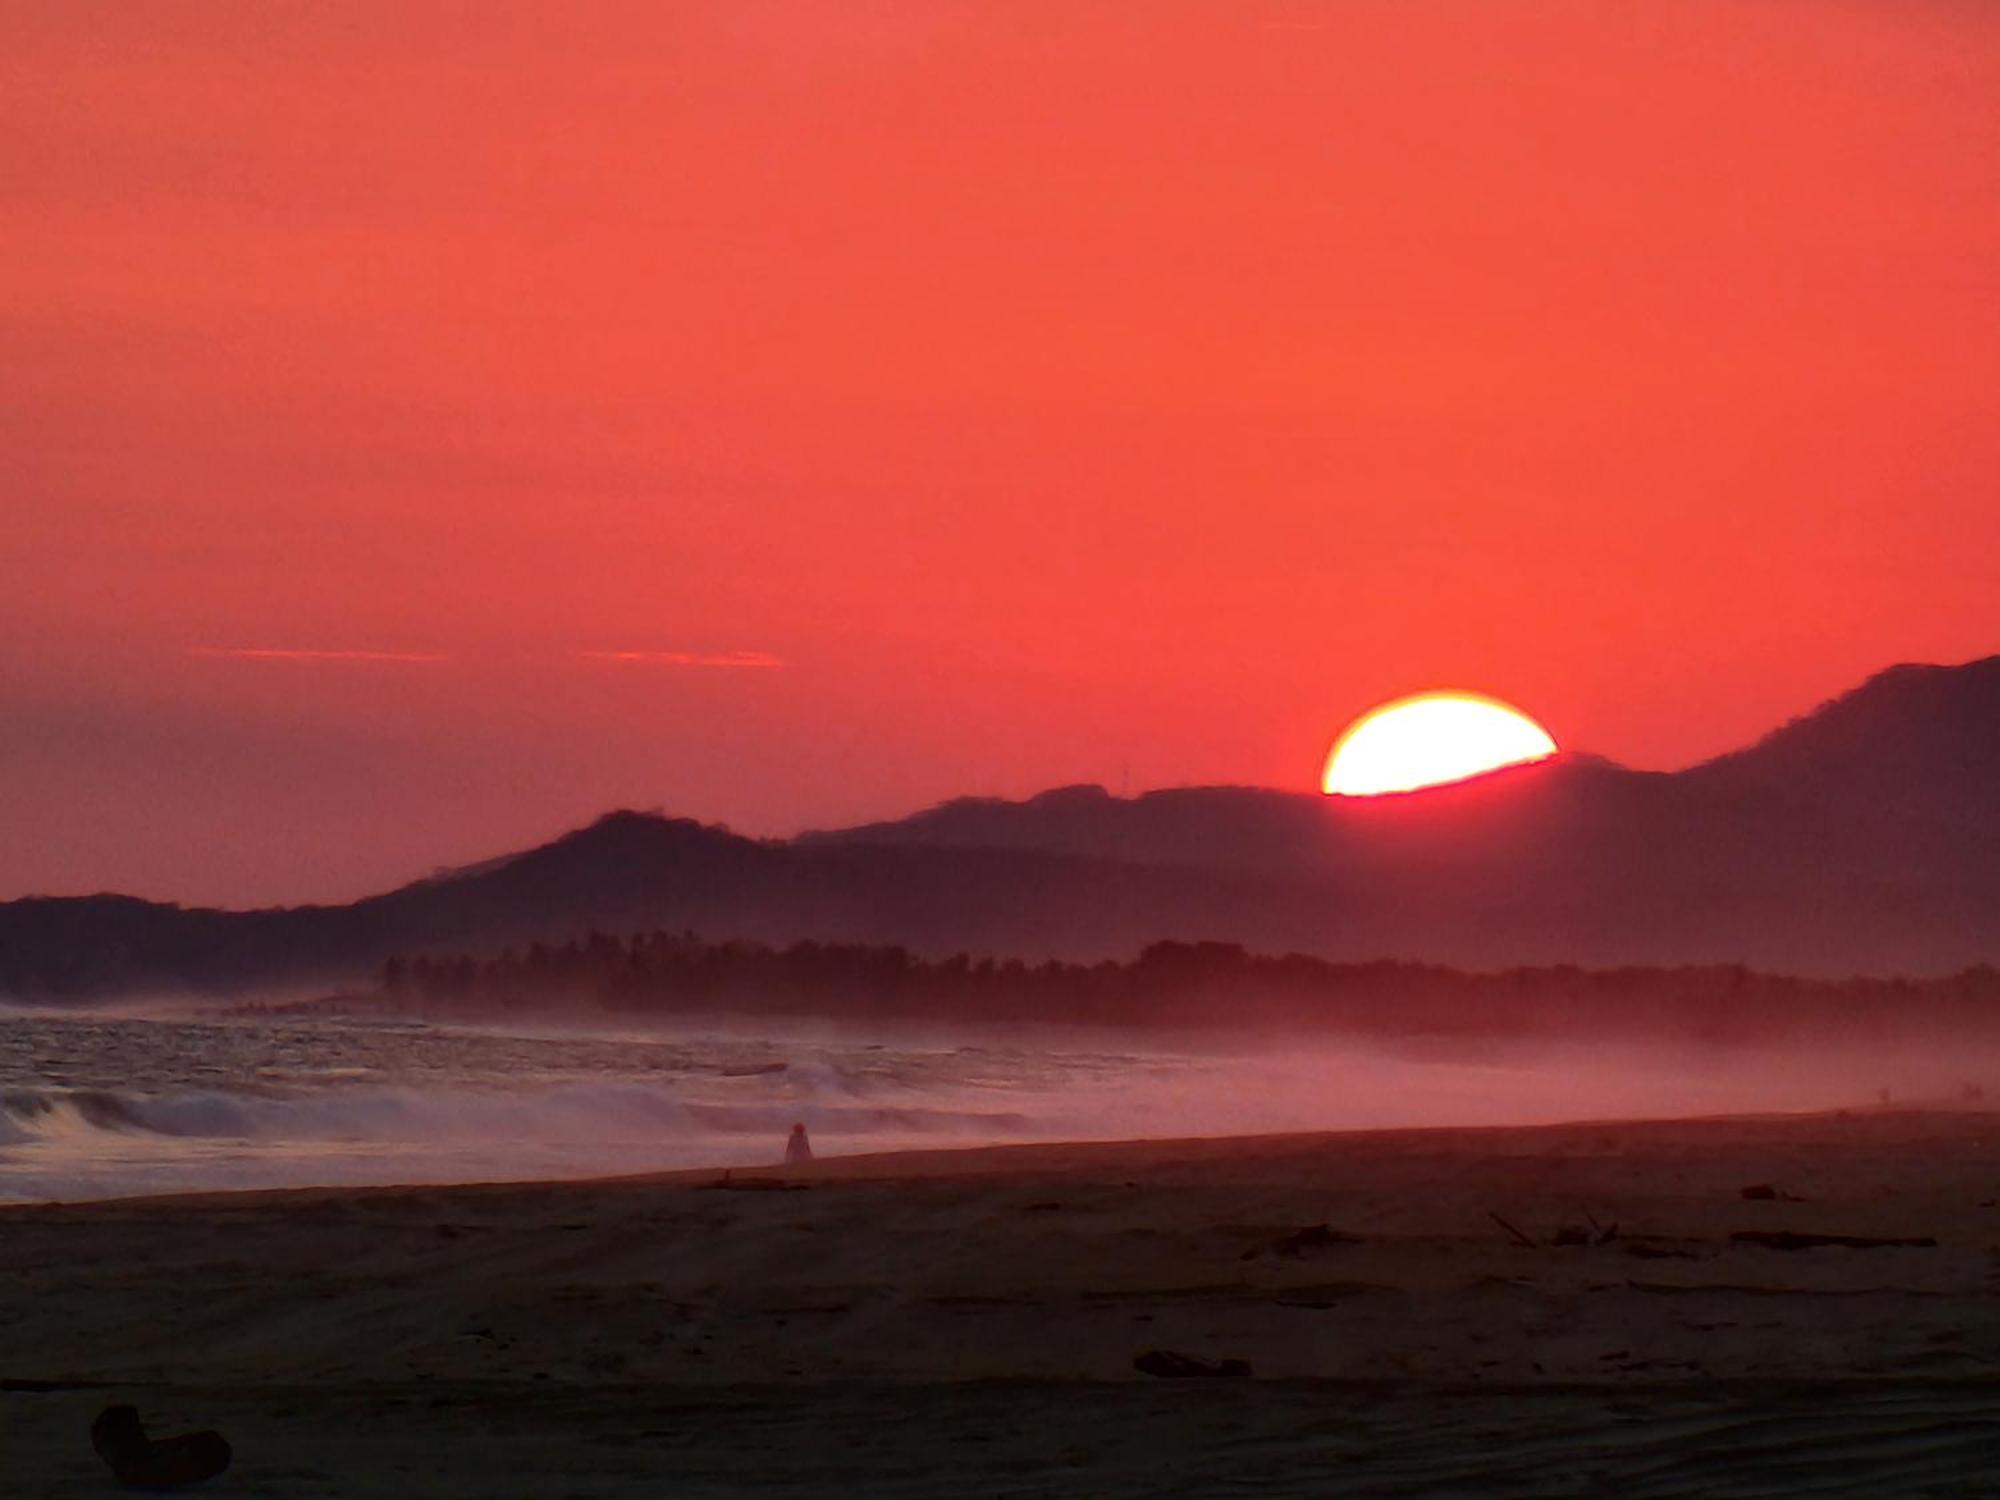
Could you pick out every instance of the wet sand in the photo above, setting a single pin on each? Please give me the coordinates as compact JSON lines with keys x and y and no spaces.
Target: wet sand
{"x":965,"y":1323}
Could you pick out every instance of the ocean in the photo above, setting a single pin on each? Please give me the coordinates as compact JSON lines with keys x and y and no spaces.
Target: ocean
{"x":97,"y":1105}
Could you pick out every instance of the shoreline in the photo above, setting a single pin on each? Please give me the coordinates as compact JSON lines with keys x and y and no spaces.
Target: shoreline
{"x":1520,"y":1310}
{"x":1000,"y":1159}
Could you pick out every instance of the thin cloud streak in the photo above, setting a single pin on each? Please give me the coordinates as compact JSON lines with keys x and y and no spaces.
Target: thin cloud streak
{"x":751,"y":660}
{"x":280,"y":653}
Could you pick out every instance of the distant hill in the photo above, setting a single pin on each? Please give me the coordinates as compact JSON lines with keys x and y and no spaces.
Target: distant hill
{"x":1859,"y":838}
{"x":1912,"y":745}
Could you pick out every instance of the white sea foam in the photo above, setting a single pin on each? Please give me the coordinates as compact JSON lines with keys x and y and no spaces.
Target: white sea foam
{"x":94,"y":1106}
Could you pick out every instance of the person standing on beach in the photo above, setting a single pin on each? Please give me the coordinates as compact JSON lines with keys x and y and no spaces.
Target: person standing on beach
{"x":798,"y":1150}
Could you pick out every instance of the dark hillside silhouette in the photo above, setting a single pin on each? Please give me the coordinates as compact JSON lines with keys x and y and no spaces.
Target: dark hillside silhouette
{"x":1915,"y":739}
{"x":1858,"y":839}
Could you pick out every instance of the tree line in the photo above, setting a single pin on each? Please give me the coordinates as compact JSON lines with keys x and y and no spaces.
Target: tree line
{"x":1181,"y":984}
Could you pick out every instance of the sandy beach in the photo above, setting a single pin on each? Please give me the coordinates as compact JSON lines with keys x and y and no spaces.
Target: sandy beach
{"x":966,"y":1322}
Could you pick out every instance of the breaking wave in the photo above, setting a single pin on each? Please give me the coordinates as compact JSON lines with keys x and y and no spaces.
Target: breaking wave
{"x":562,"y":1112}
{"x":99,"y":1106}
{"x":96,"y":1106}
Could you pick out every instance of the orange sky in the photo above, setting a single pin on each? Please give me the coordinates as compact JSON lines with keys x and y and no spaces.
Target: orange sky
{"x":794,"y":413}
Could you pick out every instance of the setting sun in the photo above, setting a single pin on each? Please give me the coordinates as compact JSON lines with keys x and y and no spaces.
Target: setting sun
{"x":1430,"y":739}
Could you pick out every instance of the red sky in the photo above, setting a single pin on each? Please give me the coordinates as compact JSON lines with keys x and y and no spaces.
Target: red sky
{"x":428,"y":425}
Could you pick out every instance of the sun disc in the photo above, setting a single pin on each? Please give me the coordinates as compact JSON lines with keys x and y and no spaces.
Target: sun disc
{"x":1431,"y":739}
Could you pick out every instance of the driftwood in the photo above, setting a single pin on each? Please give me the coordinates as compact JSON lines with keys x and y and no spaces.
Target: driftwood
{"x":1328,"y":1294}
{"x":1299,"y":1241}
{"x":732,"y":1184}
{"x":1658,"y":1252}
{"x":1169,"y":1365}
{"x":139,"y":1463}
{"x":1566,"y":1234}
{"x":1766,"y":1193}
{"x":1787,"y":1239}
{"x":1313,"y":1237}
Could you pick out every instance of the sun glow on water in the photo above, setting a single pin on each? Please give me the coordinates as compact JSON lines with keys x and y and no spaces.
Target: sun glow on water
{"x":1431,"y":739}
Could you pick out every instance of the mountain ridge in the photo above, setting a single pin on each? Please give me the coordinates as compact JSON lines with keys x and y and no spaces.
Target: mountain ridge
{"x":1855,"y":838}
